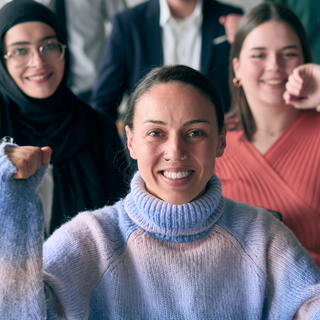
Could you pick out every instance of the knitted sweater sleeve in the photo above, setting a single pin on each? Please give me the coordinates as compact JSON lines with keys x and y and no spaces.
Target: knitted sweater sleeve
{"x":21,"y":236}
{"x":291,"y":282}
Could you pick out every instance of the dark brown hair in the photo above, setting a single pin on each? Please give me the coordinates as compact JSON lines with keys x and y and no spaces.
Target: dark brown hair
{"x":240,"y":113}
{"x":181,"y":74}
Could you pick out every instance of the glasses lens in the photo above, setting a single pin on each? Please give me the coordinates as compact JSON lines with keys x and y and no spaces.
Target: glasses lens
{"x":20,"y":56}
{"x":52,"y":52}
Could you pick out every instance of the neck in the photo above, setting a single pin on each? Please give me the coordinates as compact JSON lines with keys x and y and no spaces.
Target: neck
{"x":271,"y":122}
{"x":181,"y":9}
{"x":274,"y":119}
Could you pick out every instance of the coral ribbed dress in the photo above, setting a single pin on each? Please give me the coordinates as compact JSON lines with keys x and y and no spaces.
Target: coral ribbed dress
{"x":285,"y":179}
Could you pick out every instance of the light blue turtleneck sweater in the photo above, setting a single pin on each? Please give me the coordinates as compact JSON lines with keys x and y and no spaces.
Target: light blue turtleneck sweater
{"x":146,"y":259}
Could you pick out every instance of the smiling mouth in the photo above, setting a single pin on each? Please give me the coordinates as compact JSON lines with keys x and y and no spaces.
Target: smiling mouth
{"x":273,"y":82}
{"x":177,"y":175}
{"x":37,"y":78}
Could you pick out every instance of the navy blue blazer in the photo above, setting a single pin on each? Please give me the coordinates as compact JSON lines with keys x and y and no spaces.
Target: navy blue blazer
{"x":135,"y":46}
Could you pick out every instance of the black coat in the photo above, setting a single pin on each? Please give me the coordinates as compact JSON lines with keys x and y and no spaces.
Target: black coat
{"x":135,"y":45}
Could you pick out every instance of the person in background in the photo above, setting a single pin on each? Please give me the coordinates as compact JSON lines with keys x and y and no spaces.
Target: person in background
{"x":308,"y":13}
{"x":87,"y":23}
{"x":162,"y":32}
{"x":168,"y":248}
{"x":273,"y":152}
{"x":38,"y":109}
{"x":230,"y":23}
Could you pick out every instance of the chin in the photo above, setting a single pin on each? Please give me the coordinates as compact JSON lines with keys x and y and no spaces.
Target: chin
{"x":178,"y":199}
{"x":40,"y":95}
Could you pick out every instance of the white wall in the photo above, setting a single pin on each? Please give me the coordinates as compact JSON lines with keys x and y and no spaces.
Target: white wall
{"x":244,"y":4}
{"x":132,"y":3}
{"x":2,"y":2}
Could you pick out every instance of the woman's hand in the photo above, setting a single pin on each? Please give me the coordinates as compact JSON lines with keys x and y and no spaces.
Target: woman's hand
{"x":28,"y":159}
{"x":303,"y":87}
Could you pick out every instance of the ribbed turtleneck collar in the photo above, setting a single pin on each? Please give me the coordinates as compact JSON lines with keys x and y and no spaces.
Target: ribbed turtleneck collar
{"x":175,"y":223}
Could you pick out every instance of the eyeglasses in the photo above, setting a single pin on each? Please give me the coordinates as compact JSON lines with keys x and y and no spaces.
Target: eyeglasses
{"x":20,"y":55}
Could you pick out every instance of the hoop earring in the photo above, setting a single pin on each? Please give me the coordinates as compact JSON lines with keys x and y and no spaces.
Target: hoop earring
{"x":237,"y":82}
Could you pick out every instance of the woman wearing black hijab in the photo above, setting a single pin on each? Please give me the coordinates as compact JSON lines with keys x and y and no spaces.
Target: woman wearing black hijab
{"x":38,"y":109}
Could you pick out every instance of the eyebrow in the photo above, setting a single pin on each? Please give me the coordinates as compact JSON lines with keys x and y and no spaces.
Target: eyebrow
{"x":25,"y":42}
{"x":185,"y":124}
{"x":284,"y":48}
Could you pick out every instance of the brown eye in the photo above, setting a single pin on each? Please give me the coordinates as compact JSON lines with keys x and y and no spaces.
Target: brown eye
{"x":20,"y":52}
{"x":154,"y":133}
{"x":195,"y":134}
{"x":257,"y":56}
{"x":290,"y":54}
{"x":49,"y":47}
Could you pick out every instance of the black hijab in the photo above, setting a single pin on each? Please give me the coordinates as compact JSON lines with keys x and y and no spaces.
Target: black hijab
{"x":38,"y":122}
{"x":84,"y":143}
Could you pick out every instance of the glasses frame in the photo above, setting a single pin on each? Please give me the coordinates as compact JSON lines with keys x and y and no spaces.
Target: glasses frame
{"x":7,"y":55}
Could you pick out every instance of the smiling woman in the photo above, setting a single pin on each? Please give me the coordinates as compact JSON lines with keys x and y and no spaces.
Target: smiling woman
{"x":27,"y":59}
{"x":38,"y":109}
{"x":274,"y":148}
{"x":174,"y":139}
{"x":174,"y":248}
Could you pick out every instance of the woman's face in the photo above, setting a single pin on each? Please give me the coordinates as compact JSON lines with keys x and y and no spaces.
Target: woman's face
{"x":268,"y":56}
{"x":178,"y":123}
{"x":40,"y":79}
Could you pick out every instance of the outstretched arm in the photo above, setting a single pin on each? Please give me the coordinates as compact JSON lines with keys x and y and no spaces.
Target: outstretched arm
{"x":230,"y":23}
{"x":21,"y":233}
{"x":303,"y":87}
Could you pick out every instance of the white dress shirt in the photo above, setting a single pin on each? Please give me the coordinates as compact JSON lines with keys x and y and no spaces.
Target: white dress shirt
{"x":181,"y":39}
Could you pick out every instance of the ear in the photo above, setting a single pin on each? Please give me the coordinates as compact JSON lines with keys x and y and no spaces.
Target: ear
{"x":130,"y":142}
{"x":236,"y":65}
{"x":222,"y":142}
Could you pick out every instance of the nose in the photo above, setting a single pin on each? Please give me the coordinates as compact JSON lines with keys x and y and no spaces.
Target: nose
{"x":175,"y":149}
{"x":35,"y":59}
{"x":274,"y":63}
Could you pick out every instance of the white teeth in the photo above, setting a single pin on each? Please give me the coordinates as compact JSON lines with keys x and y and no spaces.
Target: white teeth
{"x":36,"y":78}
{"x":272,"y":82}
{"x":177,"y":175}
